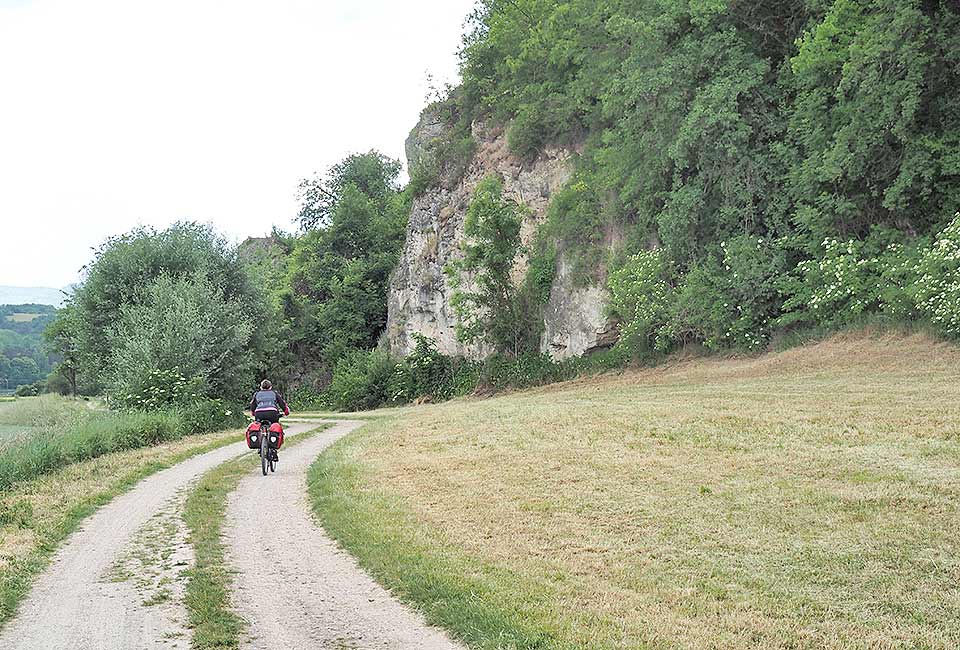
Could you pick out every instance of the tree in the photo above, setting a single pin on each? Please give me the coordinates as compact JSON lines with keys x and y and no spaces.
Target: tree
{"x":173,"y":300}
{"x":339,"y":270}
{"x":186,"y":325}
{"x":873,"y":124}
{"x":488,"y":305}
{"x":63,"y":340}
{"x":371,"y":174}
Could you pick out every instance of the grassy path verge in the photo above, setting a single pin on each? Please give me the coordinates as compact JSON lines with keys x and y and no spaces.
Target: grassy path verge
{"x":37,"y":515}
{"x":214,"y":623}
{"x":481,"y":604}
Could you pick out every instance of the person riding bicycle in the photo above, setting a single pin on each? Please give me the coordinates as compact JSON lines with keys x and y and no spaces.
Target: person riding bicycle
{"x":267,"y":404}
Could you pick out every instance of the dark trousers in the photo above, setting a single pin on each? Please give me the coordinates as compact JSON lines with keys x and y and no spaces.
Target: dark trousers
{"x":269,"y":415}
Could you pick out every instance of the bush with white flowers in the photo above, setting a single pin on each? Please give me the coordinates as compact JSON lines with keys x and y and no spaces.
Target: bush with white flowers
{"x":937,"y":289}
{"x":638,"y":296}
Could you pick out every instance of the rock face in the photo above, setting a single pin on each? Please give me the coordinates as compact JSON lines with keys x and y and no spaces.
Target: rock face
{"x":419,"y":299}
{"x":574,"y":319}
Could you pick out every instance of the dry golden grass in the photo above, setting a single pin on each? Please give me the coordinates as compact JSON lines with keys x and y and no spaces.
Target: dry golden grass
{"x":807,"y":499}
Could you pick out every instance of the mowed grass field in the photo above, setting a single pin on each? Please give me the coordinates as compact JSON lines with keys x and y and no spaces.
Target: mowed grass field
{"x":22,"y":317}
{"x":806,"y":499}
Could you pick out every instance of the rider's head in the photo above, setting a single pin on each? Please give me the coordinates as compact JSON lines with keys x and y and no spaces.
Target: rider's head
{"x":265,"y":385}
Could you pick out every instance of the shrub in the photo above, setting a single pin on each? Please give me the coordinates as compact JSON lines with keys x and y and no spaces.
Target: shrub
{"x":159,"y":389}
{"x":937,"y":289}
{"x":425,"y":372}
{"x":851,"y":279}
{"x":576,"y":218}
{"x":639,"y":296}
{"x":361,"y":381}
{"x":730,"y":302}
{"x":205,"y":415}
{"x":30,"y":390}
{"x":532,"y":369}
{"x":305,"y":397}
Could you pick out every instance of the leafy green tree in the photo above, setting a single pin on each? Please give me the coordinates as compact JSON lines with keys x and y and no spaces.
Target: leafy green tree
{"x":24,"y":370}
{"x":489,"y":306}
{"x":371,"y":174}
{"x":339,"y":270}
{"x":173,"y":299}
{"x":125,"y":267}
{"x":185,"y":325}
{"x":874,"y":128}
{"x":63,"y":340}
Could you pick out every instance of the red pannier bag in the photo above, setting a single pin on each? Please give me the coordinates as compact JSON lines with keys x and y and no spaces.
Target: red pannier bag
{"x":277,"y":429}
{"x":253,"y":435}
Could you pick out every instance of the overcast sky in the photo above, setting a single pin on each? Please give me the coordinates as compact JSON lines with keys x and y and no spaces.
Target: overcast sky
{"x":115,"y":113}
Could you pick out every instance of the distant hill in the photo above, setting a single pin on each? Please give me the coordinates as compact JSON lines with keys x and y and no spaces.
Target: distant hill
{"x":23,"y":356}
{"x":30,"y":295}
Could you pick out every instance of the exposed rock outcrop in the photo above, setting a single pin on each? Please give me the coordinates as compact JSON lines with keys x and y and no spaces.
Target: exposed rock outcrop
{"x":574,"y":319}
{"x":419,"y":299}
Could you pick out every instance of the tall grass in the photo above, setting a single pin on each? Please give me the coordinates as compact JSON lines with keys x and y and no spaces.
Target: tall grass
{"x":67,"y":432}
{"x":44,"y":411}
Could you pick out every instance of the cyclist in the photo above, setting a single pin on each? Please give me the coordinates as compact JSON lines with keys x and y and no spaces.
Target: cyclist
{"x":267,"y":404}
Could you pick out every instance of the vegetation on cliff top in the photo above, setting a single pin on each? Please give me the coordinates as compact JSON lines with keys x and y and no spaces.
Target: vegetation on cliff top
{"x":779,"y":160}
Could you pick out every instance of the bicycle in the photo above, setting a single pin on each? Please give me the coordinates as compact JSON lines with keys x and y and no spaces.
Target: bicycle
{"x":268,"y":455}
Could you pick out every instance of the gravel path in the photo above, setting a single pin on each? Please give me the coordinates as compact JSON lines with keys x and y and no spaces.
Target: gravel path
{"x":80,"y":604}
{"x":313,"y":595}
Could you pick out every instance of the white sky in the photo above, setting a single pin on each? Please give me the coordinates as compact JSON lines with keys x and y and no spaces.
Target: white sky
{"x":115,"y":113}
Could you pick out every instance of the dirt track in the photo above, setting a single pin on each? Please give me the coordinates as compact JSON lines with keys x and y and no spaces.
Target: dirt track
{"x":117,"y":583}
{"x":81,"y":603}
{"x":318,"y":596}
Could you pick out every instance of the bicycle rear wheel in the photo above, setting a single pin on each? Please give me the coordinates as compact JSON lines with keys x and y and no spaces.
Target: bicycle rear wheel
{"x":264,"y":450}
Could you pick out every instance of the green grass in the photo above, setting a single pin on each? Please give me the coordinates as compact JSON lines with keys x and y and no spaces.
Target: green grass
{"x":215,"y":625}
{"x":807,"y":499}
{"x":45,"y":411}
{"x":16,"y":432}
{"x":44,"y":434}
{"x":25,"y":418}
{"x":37,"y":515}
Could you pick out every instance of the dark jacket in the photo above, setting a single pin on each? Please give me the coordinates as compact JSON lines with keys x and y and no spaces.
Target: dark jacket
{"x":268,"y":400}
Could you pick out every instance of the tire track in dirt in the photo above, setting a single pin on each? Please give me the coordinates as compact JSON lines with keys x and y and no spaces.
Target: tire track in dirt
{"x":294,"y":585}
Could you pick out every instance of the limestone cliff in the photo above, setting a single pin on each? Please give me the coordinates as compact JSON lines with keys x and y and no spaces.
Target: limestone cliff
{"x":419,"y":297}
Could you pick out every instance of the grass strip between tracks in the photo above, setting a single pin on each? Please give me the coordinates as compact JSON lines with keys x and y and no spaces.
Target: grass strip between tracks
{"x":37,"y":515}
{"x":215,"y":624}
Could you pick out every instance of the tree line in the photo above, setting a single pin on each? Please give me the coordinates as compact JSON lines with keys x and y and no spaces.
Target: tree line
{"x":164,"y":317}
